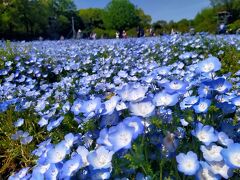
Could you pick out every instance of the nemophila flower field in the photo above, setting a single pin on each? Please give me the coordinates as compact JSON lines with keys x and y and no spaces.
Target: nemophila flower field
{"x":148,"y":108}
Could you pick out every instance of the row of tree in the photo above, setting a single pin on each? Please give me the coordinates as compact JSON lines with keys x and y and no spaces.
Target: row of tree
{"x":50,"y":19}
{"x":29,"y":19}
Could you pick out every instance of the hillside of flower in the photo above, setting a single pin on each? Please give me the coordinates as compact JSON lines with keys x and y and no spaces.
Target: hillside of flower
{"x":143,"y":108}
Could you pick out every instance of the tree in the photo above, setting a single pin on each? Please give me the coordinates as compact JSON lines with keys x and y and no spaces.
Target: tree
{"x":120,"y":15}
{"x":30,"y":18}
{"x":232,"y":6}
{"x":160,"y":27}
{"x":206,"y":21}
{"x":92,"y":18}
{"x":144,"y":19}
{"x":183,"y":25}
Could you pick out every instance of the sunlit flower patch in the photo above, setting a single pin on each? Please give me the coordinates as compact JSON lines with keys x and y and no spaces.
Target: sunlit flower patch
{"x":148,"y":108}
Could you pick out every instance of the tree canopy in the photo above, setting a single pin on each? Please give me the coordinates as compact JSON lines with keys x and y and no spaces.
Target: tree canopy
{"x":29,"y":19}
{"x":120,"y":14}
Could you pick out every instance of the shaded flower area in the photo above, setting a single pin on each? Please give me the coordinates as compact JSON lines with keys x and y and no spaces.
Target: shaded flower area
{"x":150,"y":108}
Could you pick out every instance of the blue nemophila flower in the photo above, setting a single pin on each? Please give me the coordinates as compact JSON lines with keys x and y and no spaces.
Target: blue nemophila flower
{"x":144,"y":108}
{"x":176,"y":86}
{"x":52,"y":172}
{"x":109,"y":119}
{"x":83,"y":152}
{"x":57,"y":154}
{"x":165,"y":99}
{"x":226,"y":107}
{"x":19,"y":122}
{"x":132,"y":92}
{"x":212,"y":153}
{"x":110,"y":105}
{"x":208,"y":65}
{"x":17,"y":135}
{"x":121,"y":106}
{"x":3,"y":106}
{"x":26,"y":139}
{"x":39,"y":171}
{"x":231,"y":155}
{"x":136,"y":123}
{"x":43,"y":121}
{"x":55,"y":123}
{"x":76,"y":107}
{"x":103,"y":138}
{"x":221,"y":85}
{"x":188,"y":102}
{"x":90,"y":106}
{"x":183,"y":122}
{"x":224,"y":139}
{"x":222,"y":169}
{"x":19,"y":175}
{"x":202,"y":105}
{"x":69,"y":139}
{"x":180,"y":132}
{"x":120,"y":136}
{"x":41,"y":104}
{"x":66,"y":107}
{"x":188,"y":163}
{"x":205,"y":172}
{"x":71,"y":166}
{"x":236,"y":101}
{"x":100,"y":158}
{"x":100,"y":174}
{"x":205,"y":134}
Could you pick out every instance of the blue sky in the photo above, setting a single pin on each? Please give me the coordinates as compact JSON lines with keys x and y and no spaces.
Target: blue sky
{"x":158,"y":9}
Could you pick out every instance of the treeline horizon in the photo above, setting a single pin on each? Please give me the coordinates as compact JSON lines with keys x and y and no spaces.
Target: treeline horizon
{"x":51,"y":19}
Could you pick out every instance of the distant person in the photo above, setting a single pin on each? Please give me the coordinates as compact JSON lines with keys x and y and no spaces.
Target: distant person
{"x":117,"y":35}
{"x":222,"y":29}
{"x":40,"y":38}
{"x":192,"y":31}
{"x":79,"y":34}
{"x":93,"y":36}
{"x":62,"y":38}
{"x":124,"y":34}
{"x":151,"y":32}
{"x":238,"y":31}
{"x":141,"y":32}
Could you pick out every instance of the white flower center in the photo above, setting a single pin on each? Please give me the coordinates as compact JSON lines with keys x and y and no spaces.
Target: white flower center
{"x":91,"y":106}
{"x":77,"y":107}
{"x":144,"y":108}
{"x":208,"y":67}
{"x":206,"y":89}
{"x":203,"y":106}
{"x":189,"y":164}
{"x":203,"y":136}
{"x":125,"y":138}
{"x":165,"y":100}
{"x":101,"y":160}
{"x":59,"y":156}
{"x":175,"y":85}
{"x":235,"y":159}
{"x":205,"y":175}
{"x":220,"y":88}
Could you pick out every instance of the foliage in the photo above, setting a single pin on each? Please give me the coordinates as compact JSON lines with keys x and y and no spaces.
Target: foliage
{"x":120,"y":15}
{"x":31,"y":19}
{"x":92,"y":18}
{"x":206,"y":21}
